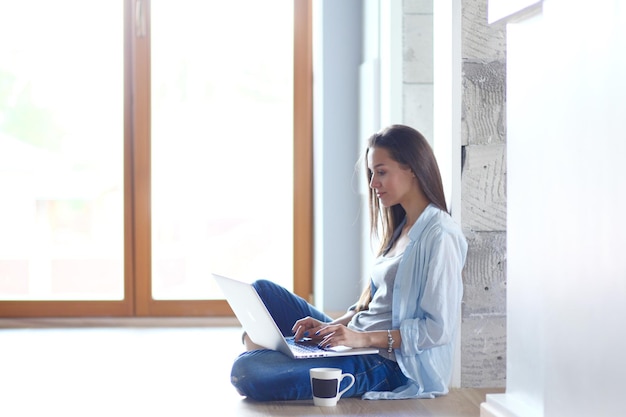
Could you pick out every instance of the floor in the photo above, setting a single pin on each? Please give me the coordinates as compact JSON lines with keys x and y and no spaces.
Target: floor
{"x":140,"y":368}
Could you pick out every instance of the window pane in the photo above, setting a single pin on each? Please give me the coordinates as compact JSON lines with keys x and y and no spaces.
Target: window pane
{"x":222,"y":144}
{"x":61,"y":150}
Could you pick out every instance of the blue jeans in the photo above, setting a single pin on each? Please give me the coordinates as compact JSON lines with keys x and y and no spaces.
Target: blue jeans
{"x":268,"y":375}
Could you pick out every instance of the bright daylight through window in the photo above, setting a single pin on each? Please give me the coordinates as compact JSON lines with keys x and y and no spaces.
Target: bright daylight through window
{"x":61,"y":151}
{"x":221,"y":144}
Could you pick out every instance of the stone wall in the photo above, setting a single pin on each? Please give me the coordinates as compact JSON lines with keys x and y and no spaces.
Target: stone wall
{"x":483,"y":339}
{"x":483,"y":352}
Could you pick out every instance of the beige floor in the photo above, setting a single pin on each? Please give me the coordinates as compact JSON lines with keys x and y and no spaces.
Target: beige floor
{"x":178,"y":370}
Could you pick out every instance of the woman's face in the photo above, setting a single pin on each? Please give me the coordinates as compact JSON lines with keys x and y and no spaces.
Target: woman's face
{"x":393,"y":183}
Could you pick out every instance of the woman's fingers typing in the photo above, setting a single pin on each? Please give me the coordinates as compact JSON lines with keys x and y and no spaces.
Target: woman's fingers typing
{"x":305,"y":327}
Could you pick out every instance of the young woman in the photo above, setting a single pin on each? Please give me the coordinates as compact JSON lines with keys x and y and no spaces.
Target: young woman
{"x":410,"y":308}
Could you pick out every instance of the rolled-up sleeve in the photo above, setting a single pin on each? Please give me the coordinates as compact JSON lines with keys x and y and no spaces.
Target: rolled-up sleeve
{"x":434,"y":321}
{"x":426,"y":300}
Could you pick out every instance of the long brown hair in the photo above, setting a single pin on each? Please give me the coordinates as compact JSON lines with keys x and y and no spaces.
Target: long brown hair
{"x":408,"y":147}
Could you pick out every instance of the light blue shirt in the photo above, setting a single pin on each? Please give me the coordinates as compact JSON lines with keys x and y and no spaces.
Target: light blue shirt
{"x":427,"y":296}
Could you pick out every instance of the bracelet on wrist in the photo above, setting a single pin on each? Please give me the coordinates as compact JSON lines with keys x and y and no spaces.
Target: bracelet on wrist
{"x":389,"y":341}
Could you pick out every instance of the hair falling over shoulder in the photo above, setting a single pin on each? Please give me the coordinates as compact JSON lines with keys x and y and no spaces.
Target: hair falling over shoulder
{"x":364,"y":300}
{"x":408,"y":147}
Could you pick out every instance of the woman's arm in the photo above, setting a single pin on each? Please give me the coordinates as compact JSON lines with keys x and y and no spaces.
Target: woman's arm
{"x":345,"y":319}
{"x":440,"y":298}
{"x":339,"y":335}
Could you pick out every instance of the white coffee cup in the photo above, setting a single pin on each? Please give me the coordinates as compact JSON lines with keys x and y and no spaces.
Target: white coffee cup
{"x":325,"y":384}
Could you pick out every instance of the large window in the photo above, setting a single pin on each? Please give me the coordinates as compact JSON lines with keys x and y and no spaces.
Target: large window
{"x":221,"y":144}
{"x":144,"y":145}
{"x":61,"y":151}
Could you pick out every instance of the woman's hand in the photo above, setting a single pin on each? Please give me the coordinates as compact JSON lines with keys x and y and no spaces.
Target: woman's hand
{"x":307,"y":327}
{"x":333,"y":335}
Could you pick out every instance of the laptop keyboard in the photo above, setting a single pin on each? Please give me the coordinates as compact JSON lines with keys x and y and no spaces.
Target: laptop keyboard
{"x":304,"y":347}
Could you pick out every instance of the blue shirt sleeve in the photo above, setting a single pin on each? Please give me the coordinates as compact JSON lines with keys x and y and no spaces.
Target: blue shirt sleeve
{"x":427,"y":298}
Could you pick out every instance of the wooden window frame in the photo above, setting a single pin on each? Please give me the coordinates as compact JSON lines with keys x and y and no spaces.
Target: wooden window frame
{"x":137,"y":230}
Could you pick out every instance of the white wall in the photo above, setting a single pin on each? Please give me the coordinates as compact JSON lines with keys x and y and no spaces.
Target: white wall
{"x":566,"y":99}
{"x":447,"y":99}
{"x":446,"y":139}
{"x":357,"y":72}
{"x":337,"y":55}
{"x":380,"y":95}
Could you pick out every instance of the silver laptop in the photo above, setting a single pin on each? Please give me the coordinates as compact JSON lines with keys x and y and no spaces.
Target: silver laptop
{"x":261,"y":328}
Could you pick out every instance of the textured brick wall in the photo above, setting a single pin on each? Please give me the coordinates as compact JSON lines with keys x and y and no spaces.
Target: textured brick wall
{"x":483,"y":198}
{"x":483,"y":336}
